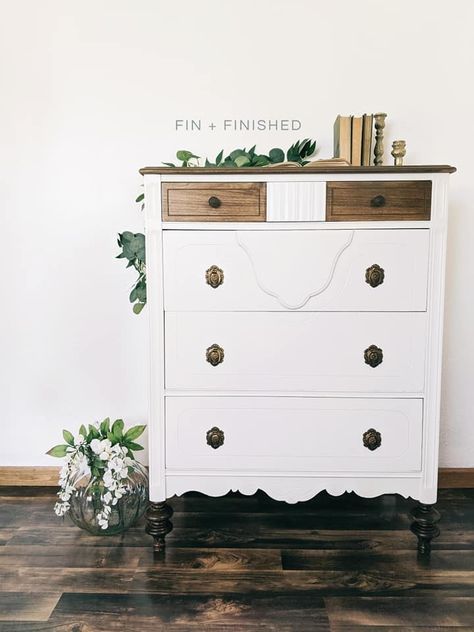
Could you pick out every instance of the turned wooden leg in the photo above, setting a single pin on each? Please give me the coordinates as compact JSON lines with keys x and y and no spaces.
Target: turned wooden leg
{"x":158,"y":523}
{"x":424,"y":526}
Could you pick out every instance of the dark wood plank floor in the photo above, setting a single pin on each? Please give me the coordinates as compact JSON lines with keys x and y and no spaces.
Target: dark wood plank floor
{"x":239,"y":564}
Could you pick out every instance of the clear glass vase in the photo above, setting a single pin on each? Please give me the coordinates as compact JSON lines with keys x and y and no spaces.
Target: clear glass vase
{"x":86,"y":502}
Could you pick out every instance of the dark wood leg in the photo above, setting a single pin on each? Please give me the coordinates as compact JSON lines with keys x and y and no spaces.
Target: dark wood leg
{"x":158,"y":523}
{"x":424,"y":526}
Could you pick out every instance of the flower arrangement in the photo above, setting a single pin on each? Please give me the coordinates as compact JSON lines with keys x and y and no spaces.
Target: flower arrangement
{"x":105,"y":454}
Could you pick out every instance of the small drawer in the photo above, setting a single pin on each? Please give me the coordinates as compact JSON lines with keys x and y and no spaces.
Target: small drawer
{"x":294,"y":434}
{"x":366,"y":201}
{"x":213,"y":202}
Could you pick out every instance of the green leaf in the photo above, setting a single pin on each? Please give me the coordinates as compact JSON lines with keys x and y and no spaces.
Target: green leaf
{"x":219,"y":157}
{"x":261,"y":161}
{"x":133,"y":295}
{"x":133,"y":446}
{"x":236,"y":153}
{"x":93,"y":432}
{"x":140,"y":198}
{"x":58,"y":451}
{"x":185,"y":155}
{"x":117,"y":428}
{"x":137,"y":308}
{"x":276,"y":155}
{"x":133,"y":246}
{"x":134,"y":432}
{"x":68,"y":437}
{"x":169,"y":164}
{"x":141,"y":291}
{"x":105,"y":426}
{"x":242,"y":161}
{"x":112,"y":438}
{"x":83,"y":431}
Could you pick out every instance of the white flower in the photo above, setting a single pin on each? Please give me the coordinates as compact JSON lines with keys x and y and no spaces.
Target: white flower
{"x":95,"y":445}
{"x":61,"y":508}
{"x":104,"y":456}
{"x":107,"y":498}
{"x":108,"y":479}
{"x":124,"y":473}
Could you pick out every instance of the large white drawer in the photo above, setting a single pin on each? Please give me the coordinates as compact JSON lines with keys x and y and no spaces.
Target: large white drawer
{"x":293,"y":434}
{"x":303,"y":351}
{"x":323,"y":269}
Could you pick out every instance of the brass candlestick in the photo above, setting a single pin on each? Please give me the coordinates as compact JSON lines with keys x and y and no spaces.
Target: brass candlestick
{"x":379,"y":127}
{"x":399,"y":149}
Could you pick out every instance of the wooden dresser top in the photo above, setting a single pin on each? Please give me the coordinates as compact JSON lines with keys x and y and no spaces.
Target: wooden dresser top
{"x":295,"y":170}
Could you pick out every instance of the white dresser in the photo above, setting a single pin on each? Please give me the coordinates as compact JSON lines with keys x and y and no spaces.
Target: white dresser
{"x":296,"y":320}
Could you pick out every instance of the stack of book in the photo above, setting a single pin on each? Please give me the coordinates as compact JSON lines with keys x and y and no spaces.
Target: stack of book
{"x":353,"y":139}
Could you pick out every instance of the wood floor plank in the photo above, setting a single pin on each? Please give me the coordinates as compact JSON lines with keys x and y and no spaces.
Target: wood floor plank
{"x":67,"y":556}
{"x":396,"y":628}
{"x":6,"y":535}
{"x":212,"y":559}
{"x":45,"y":626}
{"x":27,"y":606}
{"x":326,"y":539}
{"x":429,"y":610}
{"x":195,"y":612}
{"x":64,"y":535}
{"x":400,"y":561}
{"x":44,"y":580}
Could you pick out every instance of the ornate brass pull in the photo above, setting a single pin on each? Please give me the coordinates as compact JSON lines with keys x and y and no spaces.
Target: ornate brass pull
{"x":215,"y":437}
{"x":215,"y":355}
{"x":214,"y":276}
{"x":214,"y":202}
{"x":377,"y":201}
{"x":373,"y":356}
{"x":372,"y":439}
{"x":374,"y":275}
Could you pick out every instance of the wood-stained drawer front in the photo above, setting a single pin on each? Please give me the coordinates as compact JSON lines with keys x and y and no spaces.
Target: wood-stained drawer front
{"x":274,"y":434}
{"x":213,"y":201}
{"x":293,"y":352}
{"x":402,"y":200}
{"x":281,"y":270}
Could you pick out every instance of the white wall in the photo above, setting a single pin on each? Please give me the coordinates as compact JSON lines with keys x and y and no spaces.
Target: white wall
{"x":90,"y":92}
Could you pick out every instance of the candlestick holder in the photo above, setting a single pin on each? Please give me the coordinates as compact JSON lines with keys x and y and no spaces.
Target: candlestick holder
{"x":379,"y":127}
{"x":398,"y":152}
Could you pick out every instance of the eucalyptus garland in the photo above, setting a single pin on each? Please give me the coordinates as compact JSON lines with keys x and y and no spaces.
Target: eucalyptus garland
{"x":133,"y":249}
{"x":298,"y":153}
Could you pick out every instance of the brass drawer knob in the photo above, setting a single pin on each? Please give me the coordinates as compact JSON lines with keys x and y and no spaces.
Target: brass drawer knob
{"x":215,"y":437}
{"x":214,"y":276}
{"x":377,"y":201}
{"x":373,"y":356}
{"x":374,"y":275}
{"x":214,"y":202}
{"x":372,"y":439}
{"x":215,"y":355}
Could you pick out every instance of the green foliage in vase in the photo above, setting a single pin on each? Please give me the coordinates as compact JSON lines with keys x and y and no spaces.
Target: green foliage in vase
{"x":104,"y":450}
{"x":299,"y":152}
{"x":133,"y":249}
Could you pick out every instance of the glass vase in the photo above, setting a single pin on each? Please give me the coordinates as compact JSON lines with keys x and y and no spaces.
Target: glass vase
{"x":86,"y":502}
